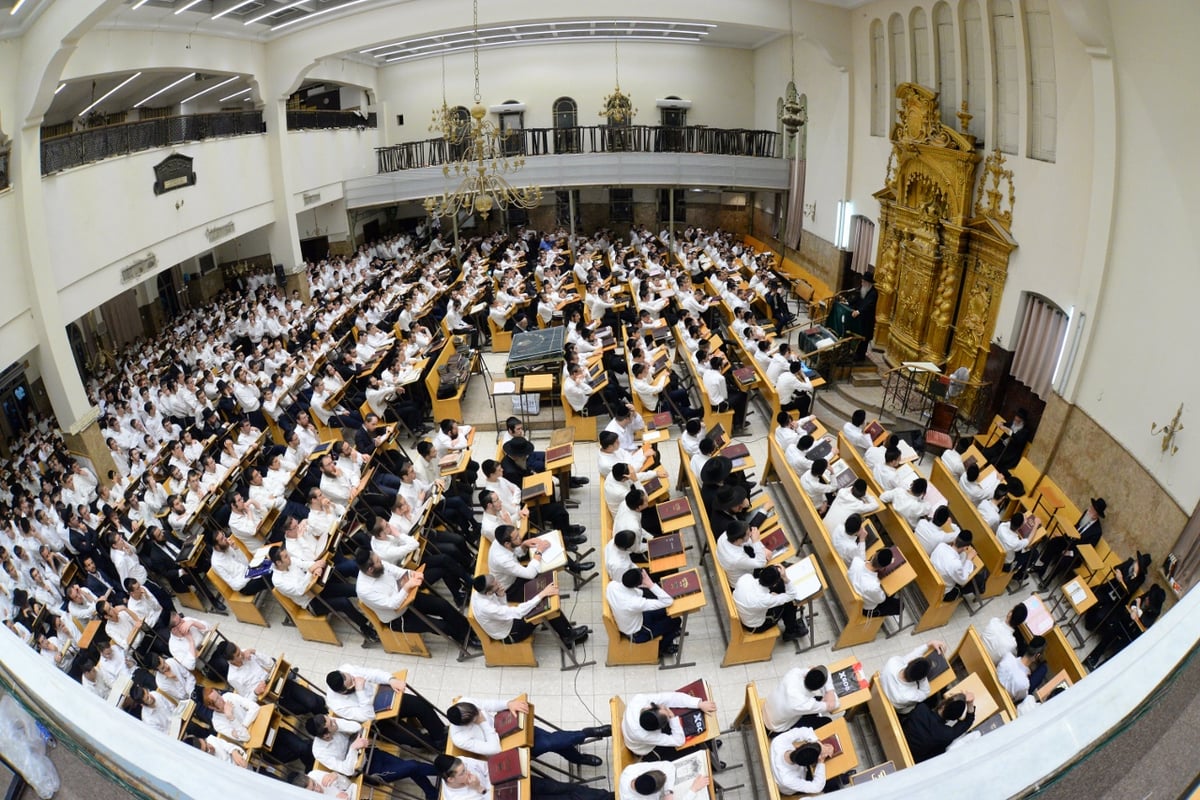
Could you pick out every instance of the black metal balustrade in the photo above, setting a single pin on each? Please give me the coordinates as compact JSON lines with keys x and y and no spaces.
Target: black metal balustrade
{"x":592,"y":139}
{"x":95,"y":144}
{"x":299,"y":120}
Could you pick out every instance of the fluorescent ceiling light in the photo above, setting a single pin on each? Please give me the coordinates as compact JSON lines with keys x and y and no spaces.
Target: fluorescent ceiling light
{"x":110,"y":93}
{"x":591,"y":33}
{"x":139,"y":4}
{"x":233,"y":7}
{"x":536,"y":41}
{"x":550,"y":28}
{"x":61,"y":86}
{"x":139,"y":103}
{"x":16,"y":7}
{"x":317,"y":14}
{"x":235,"y":94}
{"x":209,"y":89}
{"x":186,"y":6}
{"x":274,"y":11}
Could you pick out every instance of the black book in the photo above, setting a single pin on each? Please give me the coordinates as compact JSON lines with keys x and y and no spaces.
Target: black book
{"x":384,"y":696}
{"x":937,"y":663}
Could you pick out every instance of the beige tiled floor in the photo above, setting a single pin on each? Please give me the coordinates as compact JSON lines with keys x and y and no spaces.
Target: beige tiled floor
{"x":580,"y":697}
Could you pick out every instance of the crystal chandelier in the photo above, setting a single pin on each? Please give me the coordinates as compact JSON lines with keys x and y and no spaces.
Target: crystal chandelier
{"x":618,"y":107}
{"x":484,"y":163}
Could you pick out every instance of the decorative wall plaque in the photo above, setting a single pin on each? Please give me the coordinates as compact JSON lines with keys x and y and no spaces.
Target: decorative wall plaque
{"x":173,"y":172}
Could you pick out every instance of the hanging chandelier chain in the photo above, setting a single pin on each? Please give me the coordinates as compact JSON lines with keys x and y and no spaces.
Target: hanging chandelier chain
{"x":475,"y":49}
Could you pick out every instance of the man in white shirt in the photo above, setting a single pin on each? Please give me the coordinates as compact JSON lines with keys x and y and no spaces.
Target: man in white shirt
{"x":1016,"y":554}
{"x":391,"y":592}
{"x":953,"y":459}
{"x":652,"y":780}
{"x":909,"y":502}
{"x":299,"y":580}
{"x":339,"y":744}
{"x":794,"y":389}
{"x":854,"y":499}
{"x":232,"y":566}
{"x":466,"y":778}
{"x":955,"y":563}
{"x":506,"y":623}
{"x":473,"y":730}
{"x":969,"y":483}
{"x":351,"y":695}
{"x":720,"y":396}
{"x":904,"y":679}
{"x":639,"y":617}
{"x":764,"y":598}
{"x":798,"y":761}
{"x":740,"y":551}
{"x":1021,"y":675}
{"x":248,"y":674}
{"x":932,"y":532}
{"x":853,"y":431}
{"x":804,"y":697}
{"x":999,"y":635}
{"x":887,"y":474}
{"x":651,"y":726}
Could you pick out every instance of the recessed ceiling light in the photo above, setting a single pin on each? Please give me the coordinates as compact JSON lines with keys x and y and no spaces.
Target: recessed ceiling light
{"x":233,"y":7}
{"x":317,"y":14}
{"x":109,"y":93}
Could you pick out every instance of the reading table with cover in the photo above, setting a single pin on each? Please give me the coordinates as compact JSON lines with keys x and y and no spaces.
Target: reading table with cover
{"x":688,"y":592}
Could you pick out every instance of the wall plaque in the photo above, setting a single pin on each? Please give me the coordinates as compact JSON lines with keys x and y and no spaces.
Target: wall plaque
{"x":173,"y":172}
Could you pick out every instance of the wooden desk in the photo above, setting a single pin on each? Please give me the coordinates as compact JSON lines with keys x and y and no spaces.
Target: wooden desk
{"x":545,"y":481}
{"x":1091,"y":559}
{"x":985,"y":704}
{"x":854,"y":699}
{"x":848,"y":759}
{"x":393,"y":711}
{"x":679,"y":523}
{"x":681,"y":607}
{"x":260,"y":727}
{"x":902,"y":576}
{"x":1079,"y":597}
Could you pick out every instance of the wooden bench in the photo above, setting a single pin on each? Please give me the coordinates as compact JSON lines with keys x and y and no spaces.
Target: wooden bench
{"x":1061,"y":657}
{"x":621,"y":755}
{"x":503,"y":654}
{"x":311,"y":627}
{"x":446,"y":407}
{"x":964,"y":512}
{"x":974,"y":658}
{"x":743,"y":646}
{"x":621,"y":650}
{"x":859,"y":628}
{"x":586,"y":428}
{"x":751,"y":717}
{"x":501,"y":339}
{"x":395,"y":642}
{"x":711,"y":417}
{"x":887,"y":726}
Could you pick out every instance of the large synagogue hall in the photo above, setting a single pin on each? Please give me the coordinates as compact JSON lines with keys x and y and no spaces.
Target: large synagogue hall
{"x":514,"y":399}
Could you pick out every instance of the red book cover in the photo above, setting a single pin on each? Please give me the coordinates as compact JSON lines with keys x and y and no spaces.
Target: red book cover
{"x":836,"y":743}
{"x":660,"y":420}
{"x":682,"y":584}
{"x":874,"y":430}
{"x":558,"y":453}
{"x":736,"y":450}
{"x":663,"y":546}
{"x":897,"y":561}
{"x":652,"y":487}
{"x":507,"y":791}
{"x":775,"y":541}
{"x":673,"y":509}
{"x":506,"y":722}
{"x":506,"y":766}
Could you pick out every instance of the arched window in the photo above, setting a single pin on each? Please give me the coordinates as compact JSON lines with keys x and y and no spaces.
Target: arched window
{"x":879,"y":103}
{"x":974,"y":88}
{"x":898,"y":53}
{"x":1043,"y":99}
{"x":566,"y":126}
{"x":922,"y":70}
{"x":1007,"y":86}
{"x":947,"y":64}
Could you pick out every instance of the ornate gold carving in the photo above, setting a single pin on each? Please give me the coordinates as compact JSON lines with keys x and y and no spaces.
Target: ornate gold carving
{"x":971,"y":329}
{"x":964,"y":118}
{"x":989,"y":202}
{"x":920,"y":123}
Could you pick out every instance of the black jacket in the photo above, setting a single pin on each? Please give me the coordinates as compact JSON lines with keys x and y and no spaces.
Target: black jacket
{"x":928,"y":735}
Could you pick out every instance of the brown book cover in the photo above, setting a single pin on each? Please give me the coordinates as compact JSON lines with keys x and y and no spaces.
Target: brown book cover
{"x":663,"y":546}
{"x":775,"y":541}
{"x":449,"y":460}
{"x":736,"y":450}
{"x":558,"y":453}
{"x":745,"y":375}
{"x":532,"y":587}
{"x":506,"y":722}
{"x":808,"y":426}
{"x":533,"y":491}
{"x":663,"y":419}
{"x":937,"y":663}
{"x":695,"y":689}
{"x":507,"y":765}
{"x":653,"y":486}
{"x":969,"y":462}
{"x":1028,"y":527}
{"x":874,"y":430}
{"x":682,"y":584}
{"x":509,"y":791}
{"x":835,"y":743}
{"x":717,"y":434}
{"x":897,"y":561}
{"x":673,"y":509}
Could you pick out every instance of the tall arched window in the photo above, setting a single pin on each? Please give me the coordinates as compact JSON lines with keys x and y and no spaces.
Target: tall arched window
{"x":922,"y":70}
{"x":947,"y":64}
{"x":973,"y":85}
{"x":879,"y":102}
{"x":898,"y":53}
{"x":566,"y":126}
{"x":1043,"y":99}
{"x":1007,"y":86}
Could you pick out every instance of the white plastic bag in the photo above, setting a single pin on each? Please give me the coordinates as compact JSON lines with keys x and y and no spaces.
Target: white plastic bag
{"x":22,"y":745}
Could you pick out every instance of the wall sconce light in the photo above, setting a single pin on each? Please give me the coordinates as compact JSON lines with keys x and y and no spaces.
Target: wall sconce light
{"x":1168,"y":432}
{"x":810,"y":211}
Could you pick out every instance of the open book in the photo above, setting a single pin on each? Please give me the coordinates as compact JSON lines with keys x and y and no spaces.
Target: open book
{"x":803,"y":579}
{"x":555,"y":556}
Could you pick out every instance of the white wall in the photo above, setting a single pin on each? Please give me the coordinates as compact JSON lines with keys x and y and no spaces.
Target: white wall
{"x":1140,"y":365}
{"x":718,"y":81}
{"x":111,"y":206}
{"x":828,"y":92}
{"x":319,"y":158}
{"x":16,"y":325}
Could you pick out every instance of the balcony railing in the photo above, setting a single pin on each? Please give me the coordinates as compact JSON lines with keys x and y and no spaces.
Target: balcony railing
{"x":590,"y":139}
{"x":96,"y":144}
{"x":299,"y":120}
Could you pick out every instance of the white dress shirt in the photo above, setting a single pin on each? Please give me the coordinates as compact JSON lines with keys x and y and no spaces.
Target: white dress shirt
{"x":998,"y":639}
{"x":479,"y":738}
{"x":790,"y":778}
{"x":639,"y":741}
{"x":383,"y":594}
{"x":627,"y":605}
{"x":903,"y":694}
{"x":791,"y":699}
{"x":496,"y":616}
{"x":953,"y":565}
{"x":736,"y":562}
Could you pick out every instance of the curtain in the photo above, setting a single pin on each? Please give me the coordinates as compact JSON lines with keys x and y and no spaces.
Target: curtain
{"x":1039,"y":341}
{"x":1187,"y":550}
{"x":122,"y":319}
{"x":862,"y":237}
{"x":794,"y":224}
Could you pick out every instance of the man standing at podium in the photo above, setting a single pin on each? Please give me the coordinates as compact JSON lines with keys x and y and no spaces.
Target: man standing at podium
{"x":862,"y":313}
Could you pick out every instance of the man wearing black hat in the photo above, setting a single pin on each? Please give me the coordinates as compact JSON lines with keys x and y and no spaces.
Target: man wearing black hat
{"x":862,"y":312}
{"x":1006,"y":453}
{"x":1061,"y":553}
{"x":930,"y":732}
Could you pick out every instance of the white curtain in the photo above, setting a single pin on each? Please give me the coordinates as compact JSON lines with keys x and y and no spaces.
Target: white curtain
{"x":1039,"y":341}
{"x":862,"y":238}
{"x":794,"y":224}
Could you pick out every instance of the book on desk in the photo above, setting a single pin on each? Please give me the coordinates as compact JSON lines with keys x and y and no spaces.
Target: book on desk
{"x":849,"y":680}
{"x":898,"y":561}
{"x":533,"y":491}
{"x":990,"y":724}
{"x":692,"y":719}
{"x":735,"y":450}
{"x":673,"y":509}
{"x":531,"y":589}
{"x":506,"y":722}
{"x":835,"y":743}
{"x":662,"y":419}
{"x":682,"y":584}
{"x":508,"y":765}
{"x":808,"y":426}
{"x":803,"y":576}
{"x":937,"y":663}
{"x":666,"y":545}
{"x":875,"y":430}
{"x":384,"y":696}
{"x":821,"y":449}
{"x":555,"y":556}
{"x":559,"y":452}
{"x":873,"y":774}
{"x":653,"y":486}
{"x":774,"y":541}
{"x":718,"y":435}
{"x":745,"y":375}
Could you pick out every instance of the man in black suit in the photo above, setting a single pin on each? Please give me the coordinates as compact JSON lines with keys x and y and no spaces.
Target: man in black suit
{"x":930,"y":732}
{"x":862,"y":312}
{"x":1005,"y":454}
{"x":1062,"y":552}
